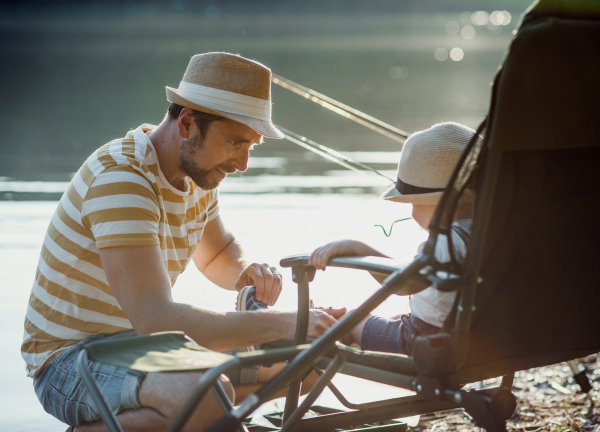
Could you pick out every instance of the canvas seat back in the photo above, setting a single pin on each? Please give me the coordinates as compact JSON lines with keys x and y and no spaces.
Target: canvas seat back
{"x":533,"y":259}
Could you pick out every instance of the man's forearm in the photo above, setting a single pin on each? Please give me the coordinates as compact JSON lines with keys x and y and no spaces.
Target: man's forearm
{"x":221,"y":331}
{"x":141,"y":285}
{"x":225,"y":268}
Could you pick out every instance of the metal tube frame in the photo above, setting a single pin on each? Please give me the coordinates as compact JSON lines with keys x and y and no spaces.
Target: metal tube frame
{"x":338,"y":394}
{"x":326,"y":342}
{"x":291,"y":422}
{"x":508,"y":381}
{"x":380,"y":411}
{"x":376,"y":375}
{"x":390,"y":286}
{"x":301,"y":276}
{"x":90,"y":382}
{"x":336,"y":421}
{"x":222,"y":397}
{"x":211,"y":375}
{"x":322,"y":345}
{"x":574,"y":366}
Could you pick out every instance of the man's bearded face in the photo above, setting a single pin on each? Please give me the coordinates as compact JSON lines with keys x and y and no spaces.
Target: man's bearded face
{"x":224,"y":149}
{"x":191,"y":154}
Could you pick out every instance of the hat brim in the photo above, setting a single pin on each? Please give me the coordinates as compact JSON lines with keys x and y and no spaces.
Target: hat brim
{"x":432,"y":198}
{"x":262,"y":127}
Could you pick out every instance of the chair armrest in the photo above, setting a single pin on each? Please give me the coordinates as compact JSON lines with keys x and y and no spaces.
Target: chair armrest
{"x":440,"y":280}
{"x":303,"y":273}
{"x":383,"y":266}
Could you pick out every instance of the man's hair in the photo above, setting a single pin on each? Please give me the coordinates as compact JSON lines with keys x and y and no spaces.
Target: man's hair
{"x":202,"y":119}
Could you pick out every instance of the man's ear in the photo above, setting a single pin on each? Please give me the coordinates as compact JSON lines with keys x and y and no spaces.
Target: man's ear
{"x":185,"y":123}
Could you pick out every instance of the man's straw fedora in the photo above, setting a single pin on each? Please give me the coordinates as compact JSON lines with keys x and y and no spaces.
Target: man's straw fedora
{"x":230,"y":86}
{"x":426,"y":164}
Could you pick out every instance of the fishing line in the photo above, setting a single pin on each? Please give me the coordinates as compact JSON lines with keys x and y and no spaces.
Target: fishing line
{"x":343,"y":109}
{"x":399,"y":220}
{"x":330,"y":154}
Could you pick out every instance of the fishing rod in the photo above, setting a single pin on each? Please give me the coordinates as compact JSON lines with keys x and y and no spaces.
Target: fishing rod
{"x":338,"y":158}
{"x":342,"y":109}
{"x":329,"y":154}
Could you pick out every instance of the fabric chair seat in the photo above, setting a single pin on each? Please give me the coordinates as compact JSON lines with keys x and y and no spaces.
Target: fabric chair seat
{"x":157,"y":352}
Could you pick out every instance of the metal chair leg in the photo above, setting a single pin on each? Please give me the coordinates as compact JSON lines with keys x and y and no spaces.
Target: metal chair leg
{"x":581,"y":378}
{"x":222,"y":397}
{"x":107,"y":415}
{"x":302,"y":275}
{"x":290,"y":422}
{"x":508,"y":381}
{"x":224,"y":401}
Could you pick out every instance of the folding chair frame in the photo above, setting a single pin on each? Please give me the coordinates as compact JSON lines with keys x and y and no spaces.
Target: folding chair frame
{"x":208,"y":381}
{"x":319,"y":356}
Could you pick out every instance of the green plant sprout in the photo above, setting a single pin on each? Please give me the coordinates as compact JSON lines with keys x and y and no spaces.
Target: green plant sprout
{"x":399,"y":220}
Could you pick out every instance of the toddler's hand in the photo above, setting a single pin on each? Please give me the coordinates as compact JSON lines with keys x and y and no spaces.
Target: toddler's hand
{"x":321,"y":256}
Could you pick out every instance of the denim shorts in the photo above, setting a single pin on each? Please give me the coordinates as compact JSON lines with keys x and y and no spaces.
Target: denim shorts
{"x":394,"y":335}
{"x":60,"y":389}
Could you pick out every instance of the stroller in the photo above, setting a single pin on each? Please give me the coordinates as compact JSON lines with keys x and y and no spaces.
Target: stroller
{"x":528,"y":296}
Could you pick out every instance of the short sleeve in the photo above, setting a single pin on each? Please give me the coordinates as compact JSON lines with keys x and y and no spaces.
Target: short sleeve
{"x":121,"y":209}
{"x":458,"y":243}
{"x":441,"y":249}
{"x":212,"y":210}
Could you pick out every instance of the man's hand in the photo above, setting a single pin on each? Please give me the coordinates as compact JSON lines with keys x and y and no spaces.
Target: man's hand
{"x":319,"y":320}
{"x":266,"y":279}
{"x":321,"y":256}
{"x":337,"y":313}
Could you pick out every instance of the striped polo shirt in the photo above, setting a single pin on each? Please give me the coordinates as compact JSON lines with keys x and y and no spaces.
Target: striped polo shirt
{"x":119,"y":197}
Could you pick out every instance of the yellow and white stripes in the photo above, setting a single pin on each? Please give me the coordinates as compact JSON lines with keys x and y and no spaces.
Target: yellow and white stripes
{"x":119,"y":197}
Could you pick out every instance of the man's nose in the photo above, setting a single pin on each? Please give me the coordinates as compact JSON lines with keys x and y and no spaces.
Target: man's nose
{"x":241,"y":161}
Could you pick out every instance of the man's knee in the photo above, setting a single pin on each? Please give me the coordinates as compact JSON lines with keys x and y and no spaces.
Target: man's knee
{"x":266,"y":374}
{"x":167,"y":392}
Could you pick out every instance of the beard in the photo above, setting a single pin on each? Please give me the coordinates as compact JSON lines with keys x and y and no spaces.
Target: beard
{"x":190,"y":152}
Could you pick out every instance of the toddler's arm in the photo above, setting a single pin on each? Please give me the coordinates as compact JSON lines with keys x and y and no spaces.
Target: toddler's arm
{"x":321,"y":256}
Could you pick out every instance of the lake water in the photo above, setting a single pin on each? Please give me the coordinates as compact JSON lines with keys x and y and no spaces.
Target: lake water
{"x":77,"y":76}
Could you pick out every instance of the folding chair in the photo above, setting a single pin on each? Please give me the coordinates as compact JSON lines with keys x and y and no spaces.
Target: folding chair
{"x":171,"y":352}
{"x":528,"y":296}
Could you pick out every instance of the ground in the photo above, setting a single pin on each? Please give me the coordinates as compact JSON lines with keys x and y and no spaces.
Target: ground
{"x":548,"y":400}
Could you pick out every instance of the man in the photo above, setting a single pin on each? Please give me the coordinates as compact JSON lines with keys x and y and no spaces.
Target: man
{"x":125,"y":229}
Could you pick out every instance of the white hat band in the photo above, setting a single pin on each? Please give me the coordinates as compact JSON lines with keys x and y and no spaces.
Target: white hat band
{"x":223,"y":100}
